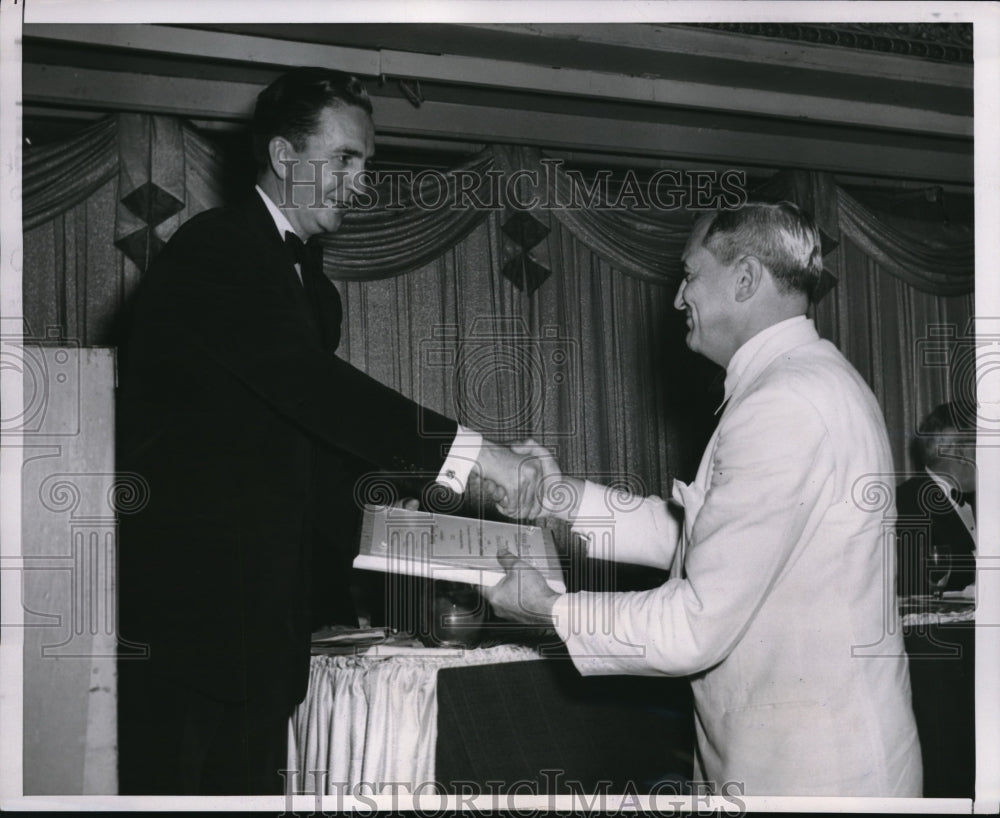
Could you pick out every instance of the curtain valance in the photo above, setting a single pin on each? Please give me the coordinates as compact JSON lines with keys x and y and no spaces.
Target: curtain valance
{"x":388,"y":240}
{"x":165,"y":165}
{"x":59,"y":176}
{"x":942,"y":266}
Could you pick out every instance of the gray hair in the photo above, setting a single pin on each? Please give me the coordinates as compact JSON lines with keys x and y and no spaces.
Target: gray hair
{"x":782,"y":236}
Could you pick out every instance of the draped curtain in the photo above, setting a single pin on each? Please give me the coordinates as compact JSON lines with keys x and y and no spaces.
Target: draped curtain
{"x":643,"y":243}
{"x":540,"y":319}
{"x":565,"y":365}
{"x":913,"y":347}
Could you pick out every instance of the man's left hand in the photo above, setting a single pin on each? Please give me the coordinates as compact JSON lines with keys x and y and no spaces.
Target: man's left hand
{"x":522,"y":595}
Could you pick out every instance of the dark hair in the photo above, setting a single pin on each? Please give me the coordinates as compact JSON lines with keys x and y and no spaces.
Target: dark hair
{"x":945,"y":424}
{"x":782,"y":235}
{"x":291,"y":106}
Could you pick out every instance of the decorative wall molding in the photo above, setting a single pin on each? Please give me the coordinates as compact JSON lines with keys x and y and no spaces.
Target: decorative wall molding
{"x":940,"y":42}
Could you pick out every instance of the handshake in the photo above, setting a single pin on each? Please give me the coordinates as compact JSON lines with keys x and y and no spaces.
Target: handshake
{"x":524,"y":481}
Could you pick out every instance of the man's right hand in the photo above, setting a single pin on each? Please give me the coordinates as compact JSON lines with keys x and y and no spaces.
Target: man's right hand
{"x":553,"y":493}
{"x":511,"y":480}
{"x":559,"y":495}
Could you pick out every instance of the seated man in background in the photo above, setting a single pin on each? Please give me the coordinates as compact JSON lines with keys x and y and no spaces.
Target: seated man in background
{"x":777,"y":574}
{"x":937,"y":509}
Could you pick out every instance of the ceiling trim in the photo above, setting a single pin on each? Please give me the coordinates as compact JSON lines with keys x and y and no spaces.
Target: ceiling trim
{"x":190,"y":42}
{"x":682,"y":39}
{"x":213,"y":99}
{"x":518,"y":76}
{"x":939,"y":42}
{"x":655,"y":90}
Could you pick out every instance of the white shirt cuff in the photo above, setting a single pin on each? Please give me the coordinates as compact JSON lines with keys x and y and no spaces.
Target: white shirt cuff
{"x":593,"y":509}
{"x":462,"y":456}
{"x":593,"y":504}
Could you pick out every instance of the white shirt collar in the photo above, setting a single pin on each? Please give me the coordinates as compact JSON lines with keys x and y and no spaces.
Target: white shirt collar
{"x":942,"y":483}
{"x":280,"y":219}
{"x":745,"y":354}
{"x":964,"y":512}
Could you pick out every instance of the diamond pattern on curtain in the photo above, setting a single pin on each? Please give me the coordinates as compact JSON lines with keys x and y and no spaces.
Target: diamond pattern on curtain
{"x":151,"y":187}
{"x":524,"y":231}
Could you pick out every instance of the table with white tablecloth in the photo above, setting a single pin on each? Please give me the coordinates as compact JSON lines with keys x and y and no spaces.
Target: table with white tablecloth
{"x":453,"y":718}
{"x":412,"y":716}
{"x":372,"y":718}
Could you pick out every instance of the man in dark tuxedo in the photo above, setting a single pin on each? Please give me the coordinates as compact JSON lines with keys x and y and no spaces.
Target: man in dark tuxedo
{"x":938,"y":507}
{"x":251,"y":434}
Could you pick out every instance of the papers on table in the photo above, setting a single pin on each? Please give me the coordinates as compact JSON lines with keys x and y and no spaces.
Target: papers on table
{"x":343,"y":639}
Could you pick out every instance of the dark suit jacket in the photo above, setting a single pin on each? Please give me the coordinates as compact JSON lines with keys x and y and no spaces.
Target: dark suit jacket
{"x":925,"y":518}
{"x":251,"y":434}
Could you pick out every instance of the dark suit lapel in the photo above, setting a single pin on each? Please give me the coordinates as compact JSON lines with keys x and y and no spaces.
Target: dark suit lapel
{"x":958,"y":534}
{"x":309,"y":292}
{"x":274,"y":257}
{"x":326,"y":303}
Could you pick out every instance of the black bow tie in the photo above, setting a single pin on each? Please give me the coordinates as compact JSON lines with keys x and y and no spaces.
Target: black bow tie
{"x":300,"y":253}
{"x":964,"y":497}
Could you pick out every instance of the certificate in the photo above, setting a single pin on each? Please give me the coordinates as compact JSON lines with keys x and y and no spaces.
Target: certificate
{"x":457,"y":549}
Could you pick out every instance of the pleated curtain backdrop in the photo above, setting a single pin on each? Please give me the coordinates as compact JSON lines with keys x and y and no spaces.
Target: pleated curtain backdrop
{"x":97,"y":207}
{"x":553,"y":322}
{"x":578,"y":365}
{"x":913,"y":347}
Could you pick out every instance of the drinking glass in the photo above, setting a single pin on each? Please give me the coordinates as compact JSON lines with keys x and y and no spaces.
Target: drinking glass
{"x":938,"y":569}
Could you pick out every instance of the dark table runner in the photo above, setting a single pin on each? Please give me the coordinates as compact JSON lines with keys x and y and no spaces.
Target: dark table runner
{"x":942,"y":676}
{"x":510,"y":723}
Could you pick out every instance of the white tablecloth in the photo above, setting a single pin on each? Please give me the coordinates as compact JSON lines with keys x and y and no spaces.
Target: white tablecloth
{"x":922,"y":611}
{"x":371,"y":720}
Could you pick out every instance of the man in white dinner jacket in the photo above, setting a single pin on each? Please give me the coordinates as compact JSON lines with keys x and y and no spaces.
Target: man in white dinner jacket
{"x":781,"y":579}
